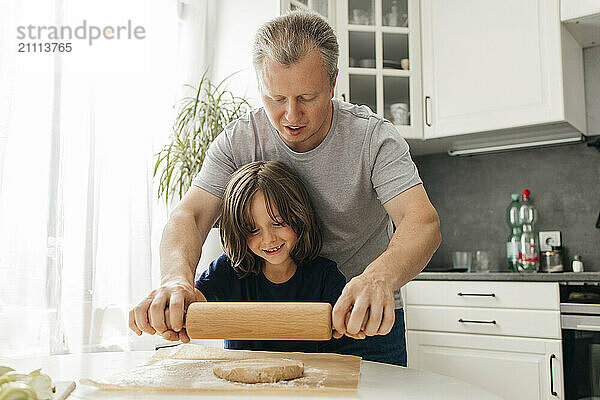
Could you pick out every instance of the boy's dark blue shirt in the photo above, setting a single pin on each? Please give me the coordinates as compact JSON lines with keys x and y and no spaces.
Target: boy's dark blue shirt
{"x":319,"y":280}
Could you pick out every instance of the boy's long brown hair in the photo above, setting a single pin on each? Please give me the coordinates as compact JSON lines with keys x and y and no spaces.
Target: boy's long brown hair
{"x":284,"y":192}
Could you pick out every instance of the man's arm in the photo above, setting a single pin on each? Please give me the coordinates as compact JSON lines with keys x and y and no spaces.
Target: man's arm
{"x":180,"y":250}
{"x":366,"y":306}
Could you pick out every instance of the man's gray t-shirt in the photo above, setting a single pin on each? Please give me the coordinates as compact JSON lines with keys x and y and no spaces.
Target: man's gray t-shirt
{"x":361,"y":164}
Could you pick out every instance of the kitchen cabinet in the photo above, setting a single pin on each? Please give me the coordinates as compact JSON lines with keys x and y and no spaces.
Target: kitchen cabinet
{"x":582,"y":19}
{"x":577,"y":9}
{"x":502,"y":336}
{"x":380,"y":56}
{"x":480,"y":73}
{"x":499,"y":67}
{"x":513,"y":368}
{"x":380,"y":59}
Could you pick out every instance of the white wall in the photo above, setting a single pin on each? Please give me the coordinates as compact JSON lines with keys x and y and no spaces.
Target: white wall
{"x":237,"y":22}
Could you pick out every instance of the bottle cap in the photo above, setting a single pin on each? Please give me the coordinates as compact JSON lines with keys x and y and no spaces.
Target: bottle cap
{"x":526,"y":193}
{"x":514,"y":196}
{"x":577,"y":257}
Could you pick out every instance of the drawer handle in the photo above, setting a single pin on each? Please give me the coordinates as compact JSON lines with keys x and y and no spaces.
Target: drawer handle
{"x":470,"y":321}
{"x":477,"y":294}
{"x":552,"y":391}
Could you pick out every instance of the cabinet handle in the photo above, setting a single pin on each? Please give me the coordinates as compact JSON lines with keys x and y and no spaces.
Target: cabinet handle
{"x":344,"y":96}
{"x":477,"y":294}
{"x":464,"y":321}
{"x":552,"y":377}
{"x":427,"y":106}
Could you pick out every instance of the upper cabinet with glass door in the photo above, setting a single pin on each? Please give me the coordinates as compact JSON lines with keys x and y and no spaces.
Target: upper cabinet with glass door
{"x":380,"y":55}
{"x":324,"y":7}
{"x":380,"y":60}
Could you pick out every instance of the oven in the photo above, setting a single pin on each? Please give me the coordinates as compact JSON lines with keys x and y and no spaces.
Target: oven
{"x":580,"y":321}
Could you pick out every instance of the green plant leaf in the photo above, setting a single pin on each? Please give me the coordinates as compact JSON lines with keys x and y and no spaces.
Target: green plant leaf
{"x":199,"y":120}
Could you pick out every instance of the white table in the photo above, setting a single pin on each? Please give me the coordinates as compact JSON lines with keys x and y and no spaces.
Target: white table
{"x":377,"y":380}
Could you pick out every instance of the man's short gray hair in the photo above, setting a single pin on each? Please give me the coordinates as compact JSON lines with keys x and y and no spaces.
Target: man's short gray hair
{"x":290,"y":37}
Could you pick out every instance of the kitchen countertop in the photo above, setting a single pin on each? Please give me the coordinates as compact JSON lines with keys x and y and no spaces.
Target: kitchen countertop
{"x":377,"y":380}
{"x":511,"y":276}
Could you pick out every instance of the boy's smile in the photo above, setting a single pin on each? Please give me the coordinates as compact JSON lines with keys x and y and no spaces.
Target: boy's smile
{"x":274,"y":250}
{"x":272,"y":241}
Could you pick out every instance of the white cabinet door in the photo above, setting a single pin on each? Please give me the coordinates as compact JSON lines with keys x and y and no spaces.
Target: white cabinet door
{"x":513,"y":368}
{"x":490,"y":65}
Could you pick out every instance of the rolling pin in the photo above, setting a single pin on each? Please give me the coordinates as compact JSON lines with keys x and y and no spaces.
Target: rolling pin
{"x":259,"y":321}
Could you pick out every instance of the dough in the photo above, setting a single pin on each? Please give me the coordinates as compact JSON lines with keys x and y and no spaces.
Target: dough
{"x":259,"y":370}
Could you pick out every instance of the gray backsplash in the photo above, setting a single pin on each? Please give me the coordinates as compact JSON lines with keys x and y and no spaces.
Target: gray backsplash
{"x":471,"y":195}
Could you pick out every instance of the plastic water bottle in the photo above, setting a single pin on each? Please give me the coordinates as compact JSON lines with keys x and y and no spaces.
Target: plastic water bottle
{"x":514,"y":223}
{"x":529,"y":248}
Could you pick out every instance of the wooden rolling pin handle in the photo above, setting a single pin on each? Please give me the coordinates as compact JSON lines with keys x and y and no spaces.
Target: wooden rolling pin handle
{"x":259,"y":321}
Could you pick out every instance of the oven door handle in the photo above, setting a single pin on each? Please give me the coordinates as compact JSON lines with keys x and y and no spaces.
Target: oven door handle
{"x":593,"y":328}
{"x":552,"y":391}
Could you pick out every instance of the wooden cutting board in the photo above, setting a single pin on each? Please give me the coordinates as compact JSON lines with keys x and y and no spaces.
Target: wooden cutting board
{"x":188,"y":367}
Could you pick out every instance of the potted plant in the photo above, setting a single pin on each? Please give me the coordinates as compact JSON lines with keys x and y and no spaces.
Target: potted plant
{"x":198,"y":121}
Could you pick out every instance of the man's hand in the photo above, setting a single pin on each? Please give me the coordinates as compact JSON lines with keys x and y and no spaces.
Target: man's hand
{"x":366,"y":305}
{"x":365,"y":308}
{"x":163,"y":309}
{"x":180,"y":248}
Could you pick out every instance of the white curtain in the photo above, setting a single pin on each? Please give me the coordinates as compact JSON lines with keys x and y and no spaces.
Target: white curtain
{"x":79,"y":219}
{"x":197,"y":39}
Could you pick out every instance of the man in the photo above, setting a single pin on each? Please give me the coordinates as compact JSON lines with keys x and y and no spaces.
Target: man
{"x":359,"y":174}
